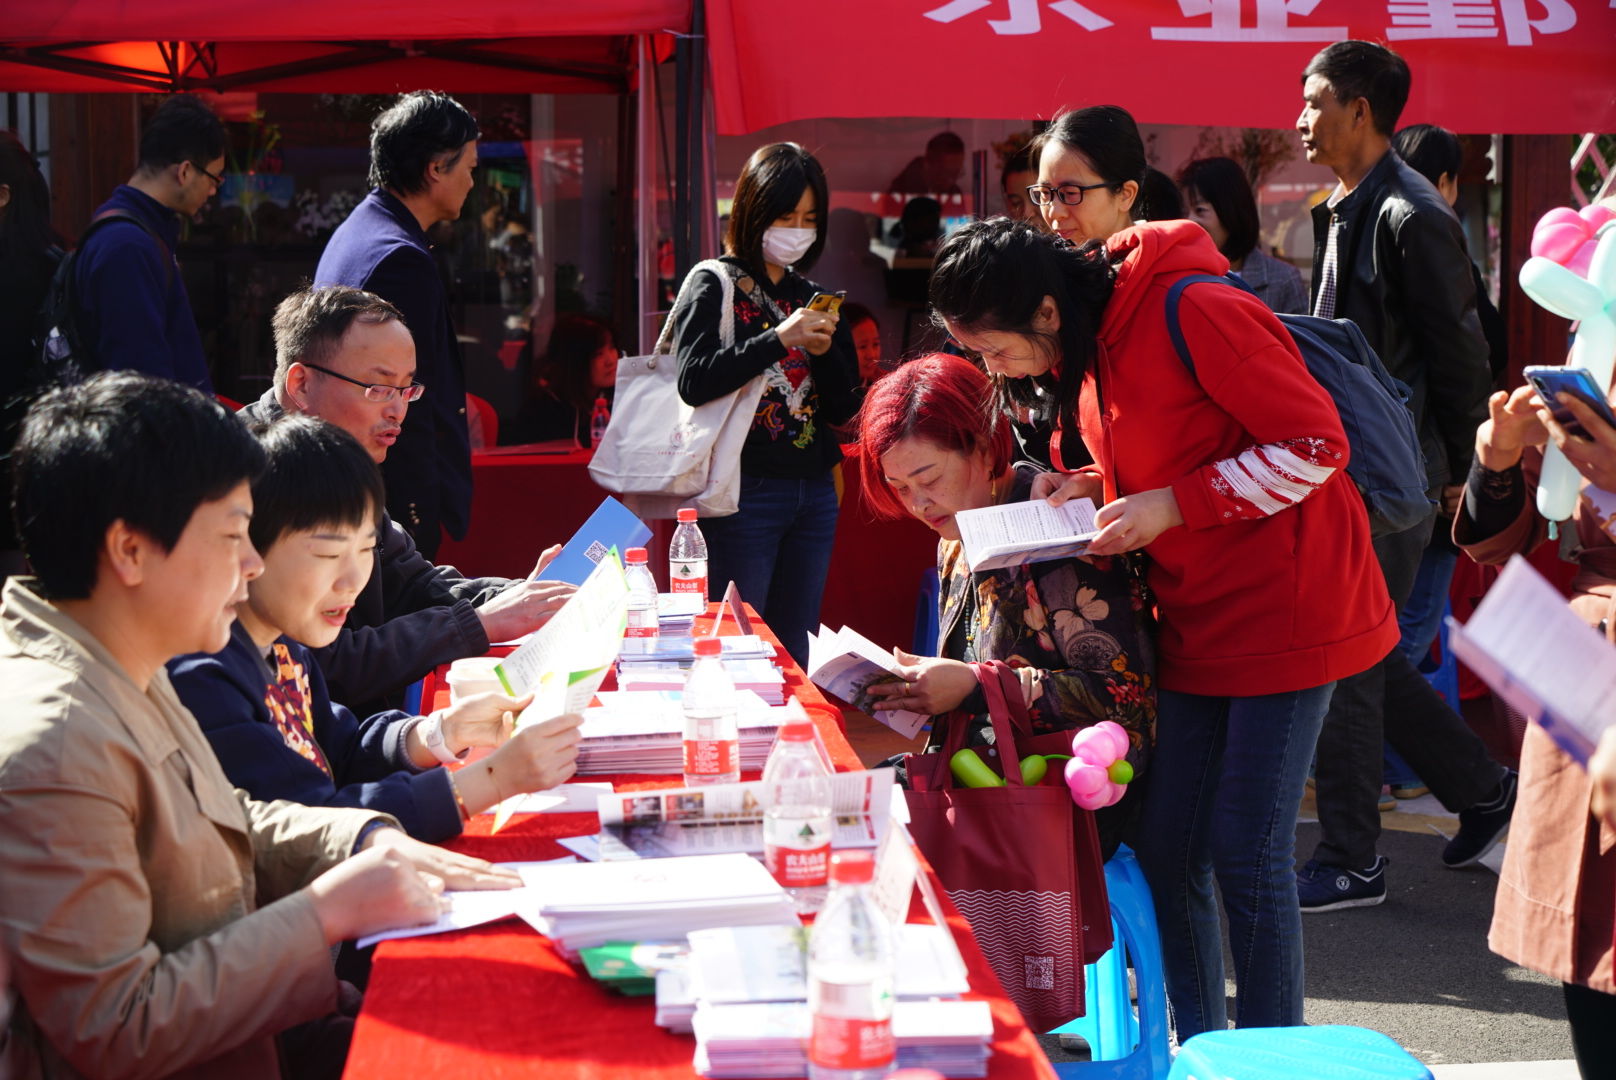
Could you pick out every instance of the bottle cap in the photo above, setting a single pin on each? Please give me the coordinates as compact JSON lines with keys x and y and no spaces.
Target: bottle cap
{"x":687,"y":514}
{"x":852,"y":867}
{"x":708,"y":646}
{"x":601,"y":400}
{"x":634,"y":556}
{"x":797,"y":731}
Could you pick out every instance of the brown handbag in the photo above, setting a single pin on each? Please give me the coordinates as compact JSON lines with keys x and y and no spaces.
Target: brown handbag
{"x":1021,"y":863}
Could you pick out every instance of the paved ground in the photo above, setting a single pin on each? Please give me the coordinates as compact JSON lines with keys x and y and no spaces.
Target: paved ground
{"x":1416,"y":967}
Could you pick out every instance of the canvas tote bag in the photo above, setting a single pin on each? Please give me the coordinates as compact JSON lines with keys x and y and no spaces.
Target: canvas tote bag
{"x":659,"y":453}
{"x":1021,"y":863}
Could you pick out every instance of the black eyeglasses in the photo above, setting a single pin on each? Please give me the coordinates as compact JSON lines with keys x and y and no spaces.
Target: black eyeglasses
{"x":1070,"y":194}
{"x":218,"y":181}
{"x":381,"y":393}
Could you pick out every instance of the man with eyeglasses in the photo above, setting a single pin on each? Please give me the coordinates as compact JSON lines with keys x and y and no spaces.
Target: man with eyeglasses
{"x":423,"y":157}
{"x":347,"y":357}
{"x":132,"y":310}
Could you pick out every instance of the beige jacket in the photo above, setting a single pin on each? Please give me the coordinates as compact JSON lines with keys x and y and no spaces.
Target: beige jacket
{"x":138,"y":890}
{"x":1556,"y":906}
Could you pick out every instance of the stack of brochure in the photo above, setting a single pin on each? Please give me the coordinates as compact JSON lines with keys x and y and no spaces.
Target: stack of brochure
{"x":756,"y":674}
{"x":588,"y":904}
{"x":767,"y":1039}
{"x":737,"y":965}
{"x":676,"y":613}
{"x":636,"y":731}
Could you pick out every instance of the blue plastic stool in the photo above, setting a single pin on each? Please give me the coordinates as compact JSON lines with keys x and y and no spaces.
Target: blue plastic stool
{"x":1443,"y":673}
{"x":1332,"y":1052}
{"x":1125,"y":1046}
{"x":412,"y":696}
{"x":926,"y":614}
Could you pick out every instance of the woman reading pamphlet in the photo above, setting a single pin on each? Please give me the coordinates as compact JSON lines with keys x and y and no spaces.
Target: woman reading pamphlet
{"x":1074,"y":629}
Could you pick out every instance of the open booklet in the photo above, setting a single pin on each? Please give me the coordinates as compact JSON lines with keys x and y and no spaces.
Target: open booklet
{"x":1033,"y":531}
{"x":1535,"y":653}
{"x":847,"y":664}
{"x":729,"y":817}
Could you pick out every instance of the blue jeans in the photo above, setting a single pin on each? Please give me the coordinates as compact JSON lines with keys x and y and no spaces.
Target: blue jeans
{"x":776,"y":548}
{"x":1421,"y":621}
{"x":1224,"y":787}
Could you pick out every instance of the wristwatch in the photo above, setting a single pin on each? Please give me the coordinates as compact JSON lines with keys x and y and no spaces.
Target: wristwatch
{"x":432,"y":735}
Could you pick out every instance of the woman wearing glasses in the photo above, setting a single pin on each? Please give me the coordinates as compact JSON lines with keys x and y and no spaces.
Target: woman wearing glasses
{"x":1259,"y":556}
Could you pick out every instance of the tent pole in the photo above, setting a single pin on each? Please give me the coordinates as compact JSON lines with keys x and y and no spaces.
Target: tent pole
{"x":645,"y":200}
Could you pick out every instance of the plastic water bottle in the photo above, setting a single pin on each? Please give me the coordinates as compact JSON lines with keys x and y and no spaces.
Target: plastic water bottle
{"x":640,"y":636}
{"x":850,"y":978}
{"x":599,"y":417}
{"x":687,"y":556}
{"x":712,"y":742}
{"x":797,"y":818}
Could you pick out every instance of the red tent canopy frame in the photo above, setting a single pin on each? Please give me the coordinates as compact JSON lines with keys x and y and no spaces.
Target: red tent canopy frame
{"x":319,"y":46}
{"x":1493,"y":66}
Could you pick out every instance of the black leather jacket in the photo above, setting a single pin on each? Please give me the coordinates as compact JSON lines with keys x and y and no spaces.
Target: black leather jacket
{"x":1402,"y":274}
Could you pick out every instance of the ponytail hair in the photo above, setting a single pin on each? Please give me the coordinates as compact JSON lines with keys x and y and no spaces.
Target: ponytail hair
{"x":992,"y":275}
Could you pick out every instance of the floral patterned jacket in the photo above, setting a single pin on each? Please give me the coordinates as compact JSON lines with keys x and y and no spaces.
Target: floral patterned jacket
{"x":1074,"y":630}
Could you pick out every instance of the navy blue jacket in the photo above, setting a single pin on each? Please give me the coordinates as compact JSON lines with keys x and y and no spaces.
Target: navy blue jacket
{"x":253,"y":721}
{"x":381,"y":248}
{"x":134,"y":304}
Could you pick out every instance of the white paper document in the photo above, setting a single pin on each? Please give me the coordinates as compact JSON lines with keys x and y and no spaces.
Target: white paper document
{"x":735,"y":964}
{"x":1033,"y":531}
{"x":1527,"y":644}
{"x":846,"y":663}
{"x":566,"y":799}
{"x":469,"y":907}
{"x":580,"y":641}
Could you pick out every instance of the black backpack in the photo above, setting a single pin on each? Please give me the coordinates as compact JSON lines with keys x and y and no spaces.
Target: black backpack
{"x":66,"y":334}
{"x":1387,"y":463}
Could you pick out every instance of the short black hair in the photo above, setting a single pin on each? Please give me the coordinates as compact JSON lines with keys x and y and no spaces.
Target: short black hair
{"x":119,"y":446}
{"x":1430,"y":151}
{"x":315,"y":474}
{"x":182,"y":129}
{"x":309,"y":324}
{"x":1023,"y":160}
{"x":1223,"y":185}
{"x":1105,"y":135}
{"x":568,"y":358}
{"x":854,"y":313}
{"x":771,"y":184}
{"x":1159,"y":198}
{"x":413,"y":132}
{"x":1362,"y":69}
{"x":945,"y":142}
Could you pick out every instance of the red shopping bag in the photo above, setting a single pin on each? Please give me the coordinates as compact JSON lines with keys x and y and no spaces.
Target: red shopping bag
{"x":1021,"y":863}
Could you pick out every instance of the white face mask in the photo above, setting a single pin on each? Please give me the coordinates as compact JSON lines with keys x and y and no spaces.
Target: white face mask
{"x":783,"y":246}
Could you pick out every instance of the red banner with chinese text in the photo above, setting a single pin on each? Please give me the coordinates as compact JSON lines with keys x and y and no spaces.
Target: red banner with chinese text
{"x":1479,"y":66}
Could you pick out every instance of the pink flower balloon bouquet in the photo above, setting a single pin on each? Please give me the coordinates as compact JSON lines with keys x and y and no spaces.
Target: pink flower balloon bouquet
{"x":1099,"y":772}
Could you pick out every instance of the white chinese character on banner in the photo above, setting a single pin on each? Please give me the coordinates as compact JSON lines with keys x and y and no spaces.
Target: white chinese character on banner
{"x":1476,"y":19}
{"x":1025,"y":18}
{"x":1273,"y":22}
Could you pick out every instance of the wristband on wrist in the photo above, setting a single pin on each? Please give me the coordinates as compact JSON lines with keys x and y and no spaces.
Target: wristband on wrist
{"x":432,"y":736}
{"x":454,"y":788}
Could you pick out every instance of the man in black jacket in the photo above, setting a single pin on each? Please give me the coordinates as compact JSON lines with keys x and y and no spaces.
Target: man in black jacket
{"x":347,"y":357}
{"x":1389,"y":255}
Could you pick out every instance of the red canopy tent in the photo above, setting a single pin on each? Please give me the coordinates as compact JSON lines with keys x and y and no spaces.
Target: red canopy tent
{"x":1480,"y":66}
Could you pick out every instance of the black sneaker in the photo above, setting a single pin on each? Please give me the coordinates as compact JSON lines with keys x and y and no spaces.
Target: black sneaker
{"x":1482,"y":825}
{"x":1322,"y":887}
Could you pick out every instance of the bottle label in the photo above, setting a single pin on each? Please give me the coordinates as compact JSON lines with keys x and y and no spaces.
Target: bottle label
{"x":711,"y":757}
{"x":642,"y":623}
{"x":840,"y":1042}
{"x":797,"y":850}
{"x":688,"y":576}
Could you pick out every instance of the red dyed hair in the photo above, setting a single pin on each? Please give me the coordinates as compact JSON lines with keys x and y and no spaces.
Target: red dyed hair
{"x":943,"y":399}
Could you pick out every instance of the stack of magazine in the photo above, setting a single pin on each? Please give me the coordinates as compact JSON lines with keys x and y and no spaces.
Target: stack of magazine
{"x":635,"y":731}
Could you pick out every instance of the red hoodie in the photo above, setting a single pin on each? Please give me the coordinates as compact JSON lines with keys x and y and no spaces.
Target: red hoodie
{"x":1270,"y":585}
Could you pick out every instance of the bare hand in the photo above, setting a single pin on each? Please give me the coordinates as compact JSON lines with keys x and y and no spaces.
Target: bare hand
{"x":1451,"y":494}
{"x":455,"y":870}
{"x":932,"y":685}
{"x":1133,"y":521}
{"x":523,"y":608}
{"x":378,"y":889}
{"x":481,"y":720}
{"x":1061,"y":487}
{"x":538,"y":757}
{"x":807,"y":330}
{"x":1512,"y":423}
{"x":546,"y":557}
{"x":1595,"y":457}
{"x":1602,"y":771}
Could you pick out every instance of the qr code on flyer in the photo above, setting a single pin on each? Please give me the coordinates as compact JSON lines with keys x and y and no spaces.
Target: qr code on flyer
{"x":1038,"y":972}
{"x":596,"y":552}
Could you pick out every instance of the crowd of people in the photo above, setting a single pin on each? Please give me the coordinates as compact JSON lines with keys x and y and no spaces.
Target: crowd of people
{"x":208,"y":786}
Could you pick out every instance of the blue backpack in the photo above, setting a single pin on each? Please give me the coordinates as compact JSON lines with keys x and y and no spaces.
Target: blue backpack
{"x":1387,"y":463}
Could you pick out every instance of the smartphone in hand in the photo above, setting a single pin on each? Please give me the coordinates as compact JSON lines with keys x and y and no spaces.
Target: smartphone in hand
{"x":830,"y":303}
{"x":1551,"y":381}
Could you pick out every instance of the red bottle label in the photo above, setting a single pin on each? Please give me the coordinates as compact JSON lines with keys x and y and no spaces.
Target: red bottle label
{"x":796,"y":868}
{"x":845,"y":1043}
{"x":710,"y":757}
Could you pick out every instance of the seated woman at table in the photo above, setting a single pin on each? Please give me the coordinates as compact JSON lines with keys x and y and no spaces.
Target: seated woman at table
{"x":1073,"y":629}
{"x":579,"y":366}
{"x":262,"y":701}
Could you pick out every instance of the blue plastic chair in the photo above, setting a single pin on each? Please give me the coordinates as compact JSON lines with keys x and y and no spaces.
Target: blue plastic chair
{"x":1124,"y":1045}
{"x":1331,"y":1052}
{"x":412,"y":696}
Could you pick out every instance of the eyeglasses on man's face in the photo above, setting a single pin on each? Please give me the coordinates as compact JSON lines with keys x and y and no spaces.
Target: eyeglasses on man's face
{"x":218,"y":180}
{"x":1070,"y":194}
{"x":381,"y":393}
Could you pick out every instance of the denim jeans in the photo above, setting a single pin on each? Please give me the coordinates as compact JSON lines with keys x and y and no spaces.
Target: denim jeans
{"x":1421,"y":621}
{"x":1221,"y":799}
{"x":776,"y":548}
